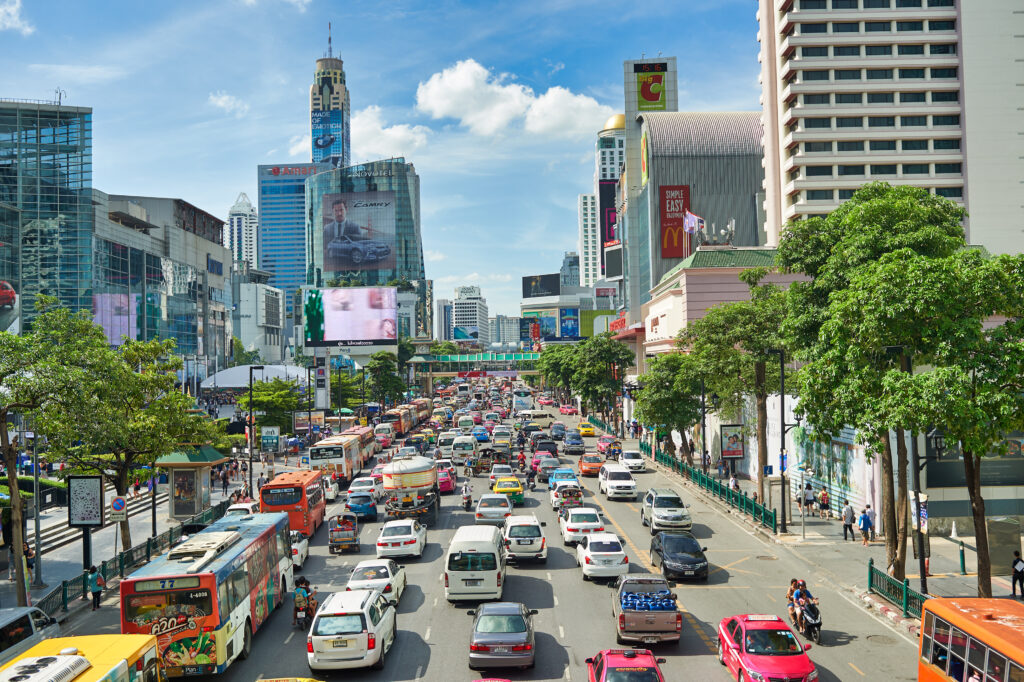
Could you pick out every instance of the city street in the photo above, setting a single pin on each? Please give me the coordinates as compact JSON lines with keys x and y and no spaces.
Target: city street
{"x":748,"y":575}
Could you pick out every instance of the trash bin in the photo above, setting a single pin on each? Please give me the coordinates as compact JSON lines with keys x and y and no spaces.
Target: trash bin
{"x":1003,"y":541}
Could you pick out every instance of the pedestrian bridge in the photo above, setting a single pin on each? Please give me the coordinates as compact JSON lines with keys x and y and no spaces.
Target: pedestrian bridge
{"x":427,"y":368}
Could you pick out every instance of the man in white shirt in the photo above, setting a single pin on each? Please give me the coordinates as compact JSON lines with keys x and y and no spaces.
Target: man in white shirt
{"x":874,"y":522}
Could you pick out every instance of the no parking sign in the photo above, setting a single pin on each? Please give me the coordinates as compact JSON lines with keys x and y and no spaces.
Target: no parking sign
{"x":118,"y":509}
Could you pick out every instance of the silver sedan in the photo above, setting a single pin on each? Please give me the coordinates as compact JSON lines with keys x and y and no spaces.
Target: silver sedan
{"x":493,"y":509}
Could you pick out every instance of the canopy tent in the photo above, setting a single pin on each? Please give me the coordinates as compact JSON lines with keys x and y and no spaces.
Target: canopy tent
{"x":238,"y":377}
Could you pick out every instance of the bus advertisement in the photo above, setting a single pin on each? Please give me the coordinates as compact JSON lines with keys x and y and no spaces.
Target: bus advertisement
{"x":522,"y":399}
{"x":337,"y":454}
{"x":204,"y":599}
{"x":366,"y":441}
{"x":301,"y":495}
{"x":971,"y":639}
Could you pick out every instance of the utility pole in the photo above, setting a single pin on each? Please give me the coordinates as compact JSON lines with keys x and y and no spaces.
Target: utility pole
{"x":252,"y":424}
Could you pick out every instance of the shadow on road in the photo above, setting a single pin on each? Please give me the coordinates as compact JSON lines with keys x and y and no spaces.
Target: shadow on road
{"x":535,"y":593}
{"x":412,"y":599}
{"x":408,"y":658}
{"x":701,"y":532}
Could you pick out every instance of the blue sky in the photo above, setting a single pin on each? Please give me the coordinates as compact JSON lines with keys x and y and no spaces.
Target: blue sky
{"x":497,"y":103}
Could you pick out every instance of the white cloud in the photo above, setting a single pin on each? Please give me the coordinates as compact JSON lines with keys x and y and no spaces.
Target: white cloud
{"x":487,"y":104}
{"x":78,"y":74}
{"x":300,"y":5}
{"x":433,"y":256}
{"x":11,"y":19}
{"x":554,"y":67}
{"x":229,"y":104}
{"x":300,"y":145}
{"x":372,"y":138}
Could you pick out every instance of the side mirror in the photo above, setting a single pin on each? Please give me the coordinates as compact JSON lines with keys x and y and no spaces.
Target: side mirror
{"x":703,"y":549}
{"x":660,"y":660}
{"x":807,"y":647}
{"x":471,"y":612}
{"x":674,"y":596}
{"x":52,"y":621}
{"x":533,"y":612}
{"x":588,"y":660}
{"x":393,"y":603}
{"x":543,"y":524}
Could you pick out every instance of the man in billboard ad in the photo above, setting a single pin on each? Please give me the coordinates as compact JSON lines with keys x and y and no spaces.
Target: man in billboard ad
{"x":351,"y":316}
{"x":569,"y":322}
{"x":674,"y":203}
{"x":359,"y":231}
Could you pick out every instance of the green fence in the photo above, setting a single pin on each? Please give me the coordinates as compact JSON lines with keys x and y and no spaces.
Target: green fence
{"x":64,"y":594}
{"x":894,"y":591}
{"x":594,"y":421}
{"x":758,"y":512}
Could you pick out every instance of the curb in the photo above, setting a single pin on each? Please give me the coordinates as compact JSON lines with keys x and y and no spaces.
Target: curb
{"x":889,"y":614}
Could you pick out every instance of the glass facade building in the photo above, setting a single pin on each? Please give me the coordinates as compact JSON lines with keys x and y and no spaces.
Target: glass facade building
{"x":10,"y":279}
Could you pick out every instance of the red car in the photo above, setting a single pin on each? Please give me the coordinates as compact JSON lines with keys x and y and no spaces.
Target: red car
{"x":8,"y":296}
{"x":445,"y":482}
{"x":378,"y":473}
{"x":477,"y":417}
{"x":761,"y":647}
{"x":537,"y":457}
{"x":502,"y":412}
{"x":489,"y":425}
{"x":544,"y":400}
{"x":635,"y":665}
{"x":384,"y":440}
{"x":568,"y":409}
{"x":603,"y":442}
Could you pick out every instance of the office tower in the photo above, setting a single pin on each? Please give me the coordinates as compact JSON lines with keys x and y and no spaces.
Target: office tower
{"x":609,"y":157}
{"x":443,"y":320}
{"x":258,"y":315}
{"x":469,"y":317}
{"x":504,"y":329}
{"x":329,"y":111}
{"x":569,"y":273}
{"x":241,"y":232}
{"x":589,"y":242}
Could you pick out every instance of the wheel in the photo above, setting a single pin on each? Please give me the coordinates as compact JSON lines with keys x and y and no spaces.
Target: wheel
{"x":618,"y":638}
{"x":356,"y":256}
{"x":817,"y":635}
{"x":246,"y":641}
{"x":379,"y":665}
{"x":653,"y":531}
{"x":586,"y":578}
{"x":643,"y":520}
{"x":721,"y":653}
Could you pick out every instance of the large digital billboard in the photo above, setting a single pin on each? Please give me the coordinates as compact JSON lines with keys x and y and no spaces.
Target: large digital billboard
{"x":526,"y":329}
{"x":118,"y":315}
{"x":470,"y":333}
{"x":328,"y":132}
{"x":535,"y":286}
{"x":674,"y":203}
{"x":613,"y":262}
{"x":606,"y":208}
{"x":568,"y":322}
{"x":351,"y":316}
{"x":359,"y":231}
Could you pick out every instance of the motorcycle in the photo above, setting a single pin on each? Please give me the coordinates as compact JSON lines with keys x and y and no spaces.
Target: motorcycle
{"x":304,"y":616}
{"x":467,"y":500}
{"x":811,"y":621}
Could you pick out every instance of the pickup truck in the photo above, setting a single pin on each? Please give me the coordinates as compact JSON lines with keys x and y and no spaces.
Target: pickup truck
{"x":645,"y":610}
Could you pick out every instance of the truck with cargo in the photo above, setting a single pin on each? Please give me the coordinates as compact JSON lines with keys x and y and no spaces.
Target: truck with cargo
{"x":645,"y":610}
{"x":410,"y":487}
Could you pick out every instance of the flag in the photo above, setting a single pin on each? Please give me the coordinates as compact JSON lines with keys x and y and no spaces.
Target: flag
{"x":692,"y":223}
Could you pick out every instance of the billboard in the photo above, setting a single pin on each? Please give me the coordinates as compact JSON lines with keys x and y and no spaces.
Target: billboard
{"x":359,"y":231}
{"x":471,"y":333}
{"x":613,"y":262}
{"x":541,"y":285}
{"x":732,"y":441}
{"x":645,"y":159}
{"x":650,"y":86}
{"x":606,"y":212}
{"x":118,"y":315}
{"x":353,"y":316}
{"x":674,"y":202}
{"x":328,"y":133}
{"x":545,"y":322}
{"x":605,"y":292}
{"x":568,"y":322}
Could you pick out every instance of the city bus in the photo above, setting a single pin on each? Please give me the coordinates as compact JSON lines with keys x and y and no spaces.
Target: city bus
{"x":90,"y":658}
{"x":961,"y":636}
{"x":522,"y":399}
{"x":337,"y":454}
{"x":366,"y":441}
{"x":301,"y":495}
{"x":205,"y":598}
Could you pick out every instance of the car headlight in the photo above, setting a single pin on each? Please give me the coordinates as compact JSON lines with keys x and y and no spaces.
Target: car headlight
{"x":813,"y":675}
{"x":701,"y":564}
{"x":757,"y":677}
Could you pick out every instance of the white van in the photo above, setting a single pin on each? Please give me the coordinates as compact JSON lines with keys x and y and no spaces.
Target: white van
{"x":475,"y":564}
{"x":466,"y":423}
{"x":542,"y":418}
{"x":385,"y":429}
{"x":444,"y":443}
{"x":463,"y":447}
{"x":21,"y":628}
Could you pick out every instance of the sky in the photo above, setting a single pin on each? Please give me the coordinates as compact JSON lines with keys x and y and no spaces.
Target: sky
{"x":497,"y":103}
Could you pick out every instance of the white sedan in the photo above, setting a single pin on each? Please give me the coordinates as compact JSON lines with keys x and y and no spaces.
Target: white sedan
{"x":300,"y":548}
{"x":633,"y":460}
{"x":367,"y":484}
{"x":601,"y":555}
{"x":379,"y":574}
{"x":405,"y":537}
{"x":578,"y":523}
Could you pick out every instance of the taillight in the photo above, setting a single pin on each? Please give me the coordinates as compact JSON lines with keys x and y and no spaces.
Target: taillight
{"x":587,"y":559}
{"x":507,"y":514}
{"x":348,"y":589}
{"x":388,"y":588}
{"x":499,"y":579}
{"x":679,"y":622}
{"x":410,"y":542}
{"x":309,"y":644}
{"x":572,"y":530}
{"x":625,"y":559}
{"x":371,"y":642}
{"x":508,"y":543}
{"x":479,"y":647}
{"x":543,"y":541}
{"x":446,"y":579}
{"x":382,"y":544}
{"x":622,"y":621}
{"x":598,"y":530}
{"x":522,"y":647}
{"x":479,"y":515}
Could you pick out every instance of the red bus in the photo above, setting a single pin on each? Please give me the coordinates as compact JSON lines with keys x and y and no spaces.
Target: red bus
{"x":301,"y":495}
{"x":367,"y":442}
{"x":205,"y":598}
{"x":970,"y":638}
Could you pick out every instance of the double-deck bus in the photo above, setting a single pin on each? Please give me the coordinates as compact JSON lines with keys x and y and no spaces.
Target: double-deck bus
{"x":300,"y":494}
{"x":365,"y":439}
{"x":964,"y":636}
{"x":205,"y":599}
{"x":89,"y":658}
{"x":337,"y":454}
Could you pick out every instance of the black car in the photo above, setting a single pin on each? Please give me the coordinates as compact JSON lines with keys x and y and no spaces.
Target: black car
{"x":536,"y":437}
{"x":679,"y":555}
{"x":357,"y":251}
{"x":558,"y":431}
{"x":545,"y":467}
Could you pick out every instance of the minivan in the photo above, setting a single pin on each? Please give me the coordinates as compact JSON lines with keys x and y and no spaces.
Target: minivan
{"x":23,"y":627}
{"x":445,"y":442}
{"x":352,"y":629}
{"x":466,"y":423}
{"x":475,"y":564}
{"x":385,"y":429}
{"x":463,"y":447}
{"x":540,"y":417}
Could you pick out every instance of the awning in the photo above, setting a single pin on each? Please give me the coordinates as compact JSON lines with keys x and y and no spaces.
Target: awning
{"x":203,"y":456}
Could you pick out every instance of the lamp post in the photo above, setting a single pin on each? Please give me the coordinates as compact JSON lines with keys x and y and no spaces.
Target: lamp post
{"x":252,"y":425}
{"x":37,"y":582}
{"x":782,"y":434}
{"x":703,"y":430}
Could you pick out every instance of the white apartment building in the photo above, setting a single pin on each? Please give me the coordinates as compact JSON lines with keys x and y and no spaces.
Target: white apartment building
{"x":503,"y":329}
{"x":588,"y":245}
{"x":905,"y":91}
{"x":241,"y":231}
{"x":469,"y":317}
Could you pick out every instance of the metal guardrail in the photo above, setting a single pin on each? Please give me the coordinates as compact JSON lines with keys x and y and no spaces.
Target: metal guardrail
{"x":594,"y":421}
{"x":895,"y":592}
{"x":58,"y":599}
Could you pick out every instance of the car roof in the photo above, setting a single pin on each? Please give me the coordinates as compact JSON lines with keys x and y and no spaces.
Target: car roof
{"x":607,"y":537}
{"x":372,"y":562}
{"x":586,"y":510}
{"x":365,"y":479}
{"x":487,"y":495}
{"x":350,"y":600}
{"x":512,"y":479}
{"x":522,"y":520}
{"x":632,"y":655}
{"x":658,"y":492}
{"x":398,"y":522}
{"x":630,"y":452}
{"x":761,"y":621}
{"x":500,"y":608}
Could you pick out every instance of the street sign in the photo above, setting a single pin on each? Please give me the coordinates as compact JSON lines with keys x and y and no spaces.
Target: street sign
{"x":118,"y":509}
{"x":305,"y":461}
{"x":768,"y":469}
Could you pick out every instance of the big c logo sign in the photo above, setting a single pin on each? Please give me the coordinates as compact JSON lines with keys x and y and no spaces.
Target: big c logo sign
{"x":650,"y":86}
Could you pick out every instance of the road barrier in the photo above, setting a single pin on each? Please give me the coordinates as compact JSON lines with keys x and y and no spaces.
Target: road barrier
{"x":896,"y":592}
{"x":59,"y":597}
{"x":594,"y":421}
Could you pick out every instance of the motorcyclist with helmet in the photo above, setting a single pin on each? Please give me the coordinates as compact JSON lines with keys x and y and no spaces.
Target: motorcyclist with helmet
{"x":801,"y":596}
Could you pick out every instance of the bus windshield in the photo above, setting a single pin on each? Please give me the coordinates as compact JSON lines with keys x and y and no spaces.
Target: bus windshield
{"x":162,"y":610}
{"x":281,"y":496}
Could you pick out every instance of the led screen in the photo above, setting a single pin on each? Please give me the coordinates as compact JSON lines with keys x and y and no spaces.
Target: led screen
{"x":351,"y":316}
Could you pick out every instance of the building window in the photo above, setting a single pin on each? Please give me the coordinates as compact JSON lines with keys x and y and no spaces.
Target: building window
{"x":817,"y":123}
{"x":845,"y":194}
{"x":910,"y":97}
{"x":877,"y":50}
{"x":915,"y":169}
{"x":950,"y":192}
{"x":909,"y":25}
{"x":953,"y":120}
{"x":907,"y":3}
{"x":846,"y":74}
{"x":814,"y":51}
{"x":818,"y":171}
{"x":948,"y":168}
{"x":812,"y":4}
{"x":877,"y":4}
{"x":914,"y":145}
{"x":941,"y":25}
{"x":942,"y":48}
{"x":940,"y":3}
{"x":879,"y":74}
{"x":877,"y":26}
{"x":911,"y":121}
{"x":882,"y":145}
{"x":880,"y":98}
{"x":881,"y":121}
{"x":845,"y":26}
{"x":911,"y":73}
{"x":849,"y":98}
{"x":851,"y":170}
{"x":814,"y":28}
{"x":850,"y":145}
{"x":849,"y":122}
{"x":819,"y":195}
{"x":811,"y":147}
{"x":883,"y":169}
{"x":946,"y":96}
{"x":844,"y":4}
{"x":846,"y":51}
{"x":815,"y":99}
{"x":945,"y":144}
{"x":815,"y":75}
{"x":944,"y":73}
{"x":910,"y":49}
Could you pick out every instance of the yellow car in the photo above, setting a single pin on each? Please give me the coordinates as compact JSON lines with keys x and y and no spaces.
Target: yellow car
{"x":510,"y":487}
{"x":430,"y":435}
{"x":586,"y":429}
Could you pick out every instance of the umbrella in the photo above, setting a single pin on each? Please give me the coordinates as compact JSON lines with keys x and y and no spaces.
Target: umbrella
{"x":294,"y":441}
{"x":345,"y":410}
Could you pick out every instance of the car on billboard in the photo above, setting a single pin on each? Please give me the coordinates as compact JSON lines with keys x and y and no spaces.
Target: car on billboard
{"x":8,"y":296}
{"x":358,"y":251}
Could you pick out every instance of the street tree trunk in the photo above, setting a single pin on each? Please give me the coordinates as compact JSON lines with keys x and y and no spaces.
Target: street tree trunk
{"x":120,"y":482}
{"x":10,"y":454}
{"x":684,"y":447}
{"x":761,"y":399}
{"x":888,"y":510}
{"x":902,"y":502}
{"x":972,"y":471}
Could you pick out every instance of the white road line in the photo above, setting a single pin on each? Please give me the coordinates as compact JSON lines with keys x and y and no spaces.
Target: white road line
{"x":435,"y":601}
{"x":419,"y":672}
{"x":426,"y":635}
{"x":556,"y":601}
{"x":567,"y":675}
{"x":561,"y":632}
{"x":549,"y":575}
{"x":289,"y":637}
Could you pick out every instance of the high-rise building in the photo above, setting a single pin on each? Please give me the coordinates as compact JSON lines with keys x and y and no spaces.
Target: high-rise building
{"x":469,"y":317}
{"x":504,"y":329}
{"x":569,"y":273}
{"x":589,"y":241}
{"x":443,"y":320}
{"x":609,"y":157}
{"x":258,"y":316}
{"x":329,"y":110}
{"x":909,"y":92}
{"x":241,"y":234}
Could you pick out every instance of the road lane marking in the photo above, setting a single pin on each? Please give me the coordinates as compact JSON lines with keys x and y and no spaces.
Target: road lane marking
{"x":567,"y":675}
{"x":731,"y":567}
{"x":857,"y":669}
{"x":556,"y":601}
{"x":561,"y":632}
{"x":549,"y":575}
{"x":632,"y":506}
{"x":435,"y":601}
{"x":768,"y":594}
{"x":426,"y":635}
{"x":289,"y":637}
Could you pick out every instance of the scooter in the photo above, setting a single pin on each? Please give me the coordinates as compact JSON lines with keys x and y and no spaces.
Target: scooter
{"x":304,"y":618}
{"x":467,"y":500}
{"x":812,"y":621}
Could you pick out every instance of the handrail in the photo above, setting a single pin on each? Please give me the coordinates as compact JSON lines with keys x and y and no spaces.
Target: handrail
{"x":895,"y":592}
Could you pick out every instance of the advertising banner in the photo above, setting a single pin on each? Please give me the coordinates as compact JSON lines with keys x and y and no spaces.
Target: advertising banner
{"x":469,"y":333}
{"x":300,"y":420}
{"x":328,"y":132}
{"x":732,"y":441}
{"x":606,"y":208}
{"x":674,"y":202}
{"x":613,"y":263}
{"x":569,"y":322}
{"x":605,"y":292}
{"x":118,"y":315}
{"x":645,"y":160}
{"x":351,"y":316}
{"x":650,"y":86}
{"x":524,"y":328}
{"x":359,"y":231}
{"x":85,"y":501}
{"x":541,"y":285}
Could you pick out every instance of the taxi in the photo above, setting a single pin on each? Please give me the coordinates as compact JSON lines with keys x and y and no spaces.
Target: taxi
{"x":590,"y":465}
{"x":762,"y":646}
{"x":624,"y":664}
{"x":429,"y":434}
{"x":545,"y":400}
{"x":510,"y":487}
{"x":383,"y":440}
{"x":586,"y":429}
{"x":503,"y":444}
{"x":417,"y":440}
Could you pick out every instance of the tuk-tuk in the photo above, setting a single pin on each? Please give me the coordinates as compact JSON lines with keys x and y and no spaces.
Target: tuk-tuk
{"x":566,"y":496}
{"x":483,"y":462}
{"x":343,"y":532}
{"x":613,"y":450}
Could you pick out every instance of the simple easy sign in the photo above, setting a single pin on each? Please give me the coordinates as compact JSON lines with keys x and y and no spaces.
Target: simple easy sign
{"x":118,"y":509}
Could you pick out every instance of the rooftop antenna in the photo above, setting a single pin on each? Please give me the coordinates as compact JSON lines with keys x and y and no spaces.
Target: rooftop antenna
{"x":59,"y":94}
{"x":329,"y":52}
{"x":643,"y":55}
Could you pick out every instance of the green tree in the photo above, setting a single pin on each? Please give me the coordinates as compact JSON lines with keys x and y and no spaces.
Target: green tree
{"x":443,"y":348}
{"x":134,"y":417}
{"x":669,"y":395}
{"x":382,"y":381}
{"x":599,"y":369}
{"x":240,"y":356}
{"x":273,"y":402}
{"x":406,"y":350}
{"x":301,"y":359}
{"x":346,"y":390}
{"x":557,"y":364}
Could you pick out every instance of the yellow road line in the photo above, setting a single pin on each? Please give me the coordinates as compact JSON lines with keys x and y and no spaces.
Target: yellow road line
{"x":857,"y":669}
{"x":633,"y":507}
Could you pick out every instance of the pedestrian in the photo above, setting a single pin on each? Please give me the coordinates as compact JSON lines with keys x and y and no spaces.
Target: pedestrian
{"x":871,"y":515}
{"x":823,"y":503}
{"x":260,"y":482}
{"x":96,"y":584}
{"x":809,"y":499}
{"x":137,"y":487}
{"x":849,"y":516}
{"x":753,"y":497}
{"x":721,"y":468}
{"x":10,"y":563}
{"x":224,"y":481}
{"x":865,"y":526}
{"x":733,"y":483}
{"x":1017,"y":576}
{"x":30,"y":556}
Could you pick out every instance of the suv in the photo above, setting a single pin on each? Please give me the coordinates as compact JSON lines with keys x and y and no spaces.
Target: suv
{"x":614,"y":480}
{"x":546,"y":445}
{"x":574,"y":443}
{"x":663,"y":509}
{"x":353,"y":629}
{"x":613,"y":664}
{"x":524,"y":538}
{"x":558,"y":431}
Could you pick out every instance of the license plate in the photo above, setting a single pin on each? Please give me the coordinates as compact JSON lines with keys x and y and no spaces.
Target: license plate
{"x":650,"y":640}
{"x":396,"y":544}
{"x":687,"y":572}
{"x":499,"y":649}
{"x":339,"y":643}
{"x":524,"y":542}
{"x":472,"y":583}
{"x":406,"y":499}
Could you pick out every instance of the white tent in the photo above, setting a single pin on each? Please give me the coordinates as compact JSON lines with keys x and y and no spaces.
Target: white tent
{"x":238,"y":377}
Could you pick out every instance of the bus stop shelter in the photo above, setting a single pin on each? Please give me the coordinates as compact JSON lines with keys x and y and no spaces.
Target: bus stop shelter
{"x":188,"y":473}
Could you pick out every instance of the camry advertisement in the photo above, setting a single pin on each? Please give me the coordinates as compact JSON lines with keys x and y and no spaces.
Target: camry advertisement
{"x":359,"y":231}
{"x":350,"y":316}
{"x":541,"y":285}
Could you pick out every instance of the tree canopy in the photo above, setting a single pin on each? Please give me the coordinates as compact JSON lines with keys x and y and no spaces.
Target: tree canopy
{"x":382,"y":381}
{"x":444,"y":348}
{"x":273,"y":402}
{"x":670,"y":394}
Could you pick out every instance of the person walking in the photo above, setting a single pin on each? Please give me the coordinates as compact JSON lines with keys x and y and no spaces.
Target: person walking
{"x":1017,"y":576}
{"x":864,"y":523}
{"x":849,"y":516}
{"x":224,"y":481}
{"x":871,"y":515}
{"x":96,"y":585}
{"x":823,"y":503}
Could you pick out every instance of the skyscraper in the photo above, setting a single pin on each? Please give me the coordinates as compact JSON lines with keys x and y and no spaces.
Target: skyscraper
{"x":329,"y":111}
{"x":443,"y":320}
{"x":469,"y":317}
{"x":589,"y":244}
{"x":241,"y":232}
{"x":569,"y":273}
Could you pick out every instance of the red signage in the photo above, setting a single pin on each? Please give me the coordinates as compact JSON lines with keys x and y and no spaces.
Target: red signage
{"x":605,"y":291}
{"x":675,"y":202}
{"x":535,"y":330}
{"x":293,"y":170}
{"x":612,"y":242}
{"x":617,"y":325}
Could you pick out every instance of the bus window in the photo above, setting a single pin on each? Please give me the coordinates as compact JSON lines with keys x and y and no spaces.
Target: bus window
{"x":281,"y":496}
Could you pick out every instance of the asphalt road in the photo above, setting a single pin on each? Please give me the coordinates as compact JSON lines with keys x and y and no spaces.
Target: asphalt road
{"x":748,"y":575}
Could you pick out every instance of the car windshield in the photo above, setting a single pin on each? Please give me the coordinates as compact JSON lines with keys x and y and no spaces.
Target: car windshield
{"x":630,"y":455}
{"x":493,"y":502}
{"x":619,"y":476}
{"x":339,"y":624}
{"x":550,"y":463}
{"x":395,"y":531}
{"x":666,"y":502}
{"x":472,"y":561}
{"x":584,"y":518}
{"x":524,"y":532}
{"x":771,"y":643}
{"x":634,"y":674}
{"x":501,"y":624}
{"x":370,"y":573}
{"x":592,"y":459}
{"x":605,"y":546}
{"x":503,"y":469}
{"x":678,"y":543}
{"x":359,"y":498}
{"x":363,"y":483}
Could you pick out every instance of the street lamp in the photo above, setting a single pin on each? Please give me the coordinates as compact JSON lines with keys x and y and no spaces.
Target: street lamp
{"x":783,"y":428}
{"x":37,"y":581}
{"x":252,"y":425}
